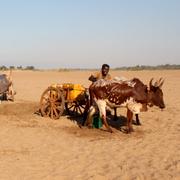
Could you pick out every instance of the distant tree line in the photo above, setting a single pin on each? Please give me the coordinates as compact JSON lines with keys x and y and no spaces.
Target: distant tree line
{"x":132,"y":68}
{"x":158,"y":67}
{"x":18,"y":68}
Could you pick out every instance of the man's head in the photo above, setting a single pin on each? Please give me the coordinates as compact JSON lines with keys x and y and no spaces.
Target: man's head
{"x":105,"y":69}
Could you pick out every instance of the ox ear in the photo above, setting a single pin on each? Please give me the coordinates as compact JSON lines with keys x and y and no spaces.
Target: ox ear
{"x":157,"y":83}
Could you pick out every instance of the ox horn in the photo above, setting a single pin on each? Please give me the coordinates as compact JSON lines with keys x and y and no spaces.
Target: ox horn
{"x":161,"y":82}
{"x":150,"y":82}
{"x":157,"y":83}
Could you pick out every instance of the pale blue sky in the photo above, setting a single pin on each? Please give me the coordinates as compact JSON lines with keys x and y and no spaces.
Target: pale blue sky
{"x":87,"y":33}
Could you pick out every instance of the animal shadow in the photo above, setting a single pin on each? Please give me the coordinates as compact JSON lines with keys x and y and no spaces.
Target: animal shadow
{"x":75,"y":119}
{"x":118,"y":123}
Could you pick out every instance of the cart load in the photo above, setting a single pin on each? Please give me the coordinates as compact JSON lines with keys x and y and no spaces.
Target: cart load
{"x":74,"y":91}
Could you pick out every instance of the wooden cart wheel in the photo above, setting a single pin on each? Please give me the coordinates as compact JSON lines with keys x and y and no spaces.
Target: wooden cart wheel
{"x":75,"y":108}
{"x":52,"y":103}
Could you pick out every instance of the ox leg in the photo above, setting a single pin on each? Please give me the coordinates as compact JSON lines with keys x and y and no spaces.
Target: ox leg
{"x":137,"y":120}
{"x":129,"y":121}
{"x":102,"y":110}
{"x":115,"y":114}
{"x":105,"y":123}
{"x":89,"y":119}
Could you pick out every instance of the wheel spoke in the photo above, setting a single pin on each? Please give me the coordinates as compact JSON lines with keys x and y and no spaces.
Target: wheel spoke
{"x":80,"y":110}
{"x":48,"y":112}
{"x":56,"y":98}
{"x":77,"y":111}
{"x":50,"y":94}
{"x":45,"y":105}
{"x":70,"y":107}
{"x":74,"y":109}
{"x":82,"y":106}
{"x":45,"y":98}
{"x":57,"y":103}
{"x":56,"y":113}
{"x":51,"y":112}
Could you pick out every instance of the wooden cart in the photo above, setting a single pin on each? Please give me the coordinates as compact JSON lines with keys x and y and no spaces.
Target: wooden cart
{"x":59,"y":97}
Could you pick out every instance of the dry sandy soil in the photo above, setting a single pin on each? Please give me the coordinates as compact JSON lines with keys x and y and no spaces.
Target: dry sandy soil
{"x":33,"y":147}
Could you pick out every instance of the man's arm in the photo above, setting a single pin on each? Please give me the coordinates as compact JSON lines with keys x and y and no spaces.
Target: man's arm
{"x":92,"y":78}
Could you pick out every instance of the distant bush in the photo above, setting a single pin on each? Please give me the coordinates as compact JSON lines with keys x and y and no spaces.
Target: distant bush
{"x":63,"y":69}
{"x":12,"y":67}
{"x":19,"y":67}
{"x":29,"y":68}
{"x":3,"y":68}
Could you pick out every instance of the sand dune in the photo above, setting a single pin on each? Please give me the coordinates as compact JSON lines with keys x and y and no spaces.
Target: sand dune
{"x":33,"y":147}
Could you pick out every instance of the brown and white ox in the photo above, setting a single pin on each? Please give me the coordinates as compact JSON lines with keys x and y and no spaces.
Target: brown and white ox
{"x":132,"y":94}
{"x":6,"y":87}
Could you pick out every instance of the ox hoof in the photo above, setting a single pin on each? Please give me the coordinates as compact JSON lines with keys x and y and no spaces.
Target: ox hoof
{"x":90,"y":126}
{"x":128,"y":131}
{"x":131,"y":130}
{"x":110,"y":130}
{"x":138,"y":124}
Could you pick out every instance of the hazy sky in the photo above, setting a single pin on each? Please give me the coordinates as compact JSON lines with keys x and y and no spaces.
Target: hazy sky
{"x":87,"y":33}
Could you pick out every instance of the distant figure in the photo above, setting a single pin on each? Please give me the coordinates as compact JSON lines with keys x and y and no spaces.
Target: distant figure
{"x":103,"y":74}
{"x":7,"y":91}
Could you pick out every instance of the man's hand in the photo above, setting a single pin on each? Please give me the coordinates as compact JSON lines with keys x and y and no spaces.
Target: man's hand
{"x":92,"y":78}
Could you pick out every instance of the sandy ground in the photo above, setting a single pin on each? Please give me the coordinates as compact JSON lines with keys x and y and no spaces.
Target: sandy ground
{"x":33,"y":147}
